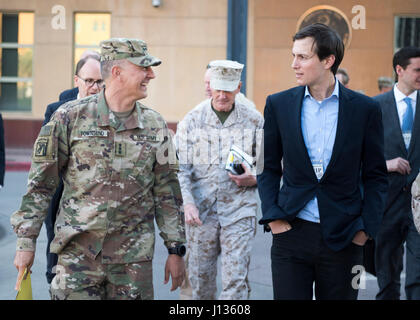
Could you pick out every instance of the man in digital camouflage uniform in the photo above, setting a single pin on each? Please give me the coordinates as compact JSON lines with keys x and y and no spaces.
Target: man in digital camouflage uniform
{"x":119,"y":173}
{"x":239,"y":97}
{"x":415,"y":202}
{"x":185,"y":292}
{"x":220,"y":208}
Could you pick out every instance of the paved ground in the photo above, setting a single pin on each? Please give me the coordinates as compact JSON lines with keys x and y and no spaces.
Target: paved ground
{"x":10,"y":198}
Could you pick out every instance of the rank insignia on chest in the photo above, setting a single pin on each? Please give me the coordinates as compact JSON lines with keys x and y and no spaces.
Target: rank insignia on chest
{"x":120,"y":149}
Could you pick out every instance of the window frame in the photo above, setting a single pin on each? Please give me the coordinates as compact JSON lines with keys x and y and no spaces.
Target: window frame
{"x":85,"y":46}
{"x":17,"y":45}
{"x":396,"y":22}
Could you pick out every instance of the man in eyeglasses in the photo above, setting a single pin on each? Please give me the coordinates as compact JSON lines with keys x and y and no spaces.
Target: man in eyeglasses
{"x":71,"y":94}
{"x":88,"y":81}
{"x":88,"y":78}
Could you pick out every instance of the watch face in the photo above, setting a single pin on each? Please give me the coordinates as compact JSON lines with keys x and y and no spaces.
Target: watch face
{"x":329,"y":16}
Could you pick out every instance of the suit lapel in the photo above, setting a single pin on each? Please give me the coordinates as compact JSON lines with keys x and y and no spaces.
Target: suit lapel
{"x":295,"y":110}
{"x":391,"y":111}
{"x":345,"y":115}
{"x":416,"y":126}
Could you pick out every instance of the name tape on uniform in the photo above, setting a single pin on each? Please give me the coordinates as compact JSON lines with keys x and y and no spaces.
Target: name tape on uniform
{"x":94,"y":133}
{"x":145,"y":137}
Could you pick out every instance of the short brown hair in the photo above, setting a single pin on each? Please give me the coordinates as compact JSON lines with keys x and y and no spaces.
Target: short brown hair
{"x":326,"y":40}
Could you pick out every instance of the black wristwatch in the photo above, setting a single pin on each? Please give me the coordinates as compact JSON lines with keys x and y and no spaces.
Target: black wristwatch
{"x":178,"y":250}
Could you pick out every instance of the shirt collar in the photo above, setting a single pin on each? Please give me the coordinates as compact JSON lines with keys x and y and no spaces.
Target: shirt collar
{"x":211,"y":117}
{"x":399,"y":96}
{"x":107,"y":118}
{"x":334,"y":93}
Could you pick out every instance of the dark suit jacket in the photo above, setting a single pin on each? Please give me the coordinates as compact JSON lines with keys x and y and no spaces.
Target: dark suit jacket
{"x":65,"y":96}
{"x":2,"y":153}
{"x":357,"y":157}
{"x":70,"y":94}
{"x":399,"y":191}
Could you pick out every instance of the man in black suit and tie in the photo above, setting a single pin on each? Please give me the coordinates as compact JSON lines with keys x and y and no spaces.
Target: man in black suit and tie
{"x":330,"y":140}
{"x":88,"y":81}
{"x":401,"y":121}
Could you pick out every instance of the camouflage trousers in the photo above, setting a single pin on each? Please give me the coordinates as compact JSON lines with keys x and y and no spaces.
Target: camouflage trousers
{"x":205,"y":243}
{"x":81,"y":278}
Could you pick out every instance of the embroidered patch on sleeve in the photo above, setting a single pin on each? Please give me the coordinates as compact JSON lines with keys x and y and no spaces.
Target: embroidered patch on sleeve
{"x":43,"y":147}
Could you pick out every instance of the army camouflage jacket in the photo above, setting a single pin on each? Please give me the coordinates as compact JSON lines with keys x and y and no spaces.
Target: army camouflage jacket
{"x":203,"y":145}
{"x":118,"y":178}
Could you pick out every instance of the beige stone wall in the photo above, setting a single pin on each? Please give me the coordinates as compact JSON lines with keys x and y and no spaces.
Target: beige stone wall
{"x":185,"y":34}
{"x":368,"y":56}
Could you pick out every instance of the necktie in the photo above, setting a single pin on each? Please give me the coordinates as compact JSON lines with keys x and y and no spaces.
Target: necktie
{"x":407,"y":122}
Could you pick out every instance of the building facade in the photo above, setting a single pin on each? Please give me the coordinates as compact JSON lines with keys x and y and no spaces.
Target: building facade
{"x":42,"y":39}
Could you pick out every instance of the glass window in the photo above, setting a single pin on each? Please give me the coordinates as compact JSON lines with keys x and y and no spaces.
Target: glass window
{"x":89,"y":30}
{"x":16,"y":52}
{"x":407,"y":32}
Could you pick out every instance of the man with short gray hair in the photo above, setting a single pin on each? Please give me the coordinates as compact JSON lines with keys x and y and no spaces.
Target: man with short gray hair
{"x":220,"y":207}
{"x":385,"y":84}
{"x":115,"y":160}
{"x":343,"y":77}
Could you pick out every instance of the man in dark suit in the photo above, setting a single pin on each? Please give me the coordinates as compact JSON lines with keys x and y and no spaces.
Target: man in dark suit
{"x":2,"y":154}
{"x":88,"y":81}
{"x":69,"y":94}
{"x":401,"y":122}
{"x":330,"y":140}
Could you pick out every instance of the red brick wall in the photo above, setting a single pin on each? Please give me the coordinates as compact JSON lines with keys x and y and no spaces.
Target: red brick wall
{"x":21,"y":133}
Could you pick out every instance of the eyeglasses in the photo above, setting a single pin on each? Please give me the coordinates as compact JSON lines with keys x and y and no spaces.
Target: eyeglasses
{"x":90,"y":82}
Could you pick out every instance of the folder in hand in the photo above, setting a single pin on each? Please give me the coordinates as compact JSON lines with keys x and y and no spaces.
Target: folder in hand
{"x":235,"y":158}
{"x":25,"y":288}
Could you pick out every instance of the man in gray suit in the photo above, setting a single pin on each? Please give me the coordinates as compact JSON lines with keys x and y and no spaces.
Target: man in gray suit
{"x":401,"y":122}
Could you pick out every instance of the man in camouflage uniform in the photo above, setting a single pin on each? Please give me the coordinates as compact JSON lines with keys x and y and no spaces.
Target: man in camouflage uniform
{"x":220,"y":208}
{"x":415,"y":203}
{"x":114,"y":155}
{"x":186,"y":290}
{"x":239,"y":98}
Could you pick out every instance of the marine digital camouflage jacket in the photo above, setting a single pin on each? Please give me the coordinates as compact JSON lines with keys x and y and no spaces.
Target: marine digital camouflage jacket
{"x":117,"y":178}
{"x":203,"y":145}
